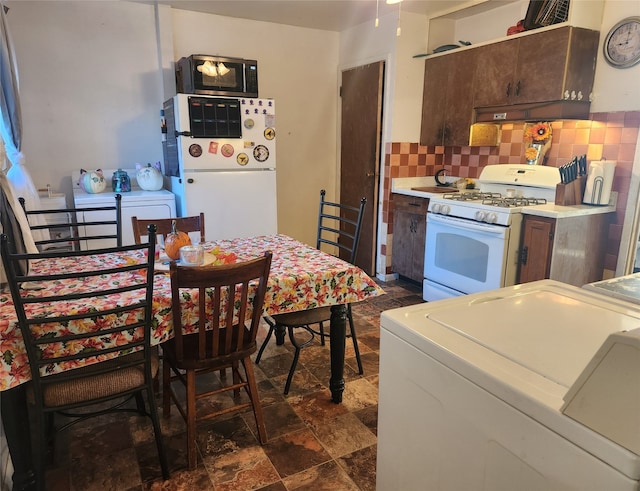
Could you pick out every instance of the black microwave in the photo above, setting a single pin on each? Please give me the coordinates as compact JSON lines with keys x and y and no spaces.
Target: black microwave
{"x":217,"y":75}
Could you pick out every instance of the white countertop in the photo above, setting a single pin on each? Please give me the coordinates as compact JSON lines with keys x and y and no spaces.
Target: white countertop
{"x":552,"y":210}
{"x":403,"y":185}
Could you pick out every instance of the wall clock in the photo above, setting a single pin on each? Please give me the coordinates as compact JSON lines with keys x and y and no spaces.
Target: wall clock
{"x":622,"y":45}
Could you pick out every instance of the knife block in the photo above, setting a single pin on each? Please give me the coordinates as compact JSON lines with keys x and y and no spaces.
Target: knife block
{"x":570,"y":193}
{"x":566,"y":193}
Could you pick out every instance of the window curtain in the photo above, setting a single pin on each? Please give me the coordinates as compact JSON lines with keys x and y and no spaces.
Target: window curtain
{"x":15,"y":180}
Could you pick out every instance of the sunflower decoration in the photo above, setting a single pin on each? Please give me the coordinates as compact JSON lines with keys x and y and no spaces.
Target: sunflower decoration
{"x":538,"y":132}
{"x":537,"y":138}
{"x":530,"y":153}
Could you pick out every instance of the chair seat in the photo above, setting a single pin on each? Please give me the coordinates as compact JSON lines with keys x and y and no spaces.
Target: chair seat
{"x":303,"y":317}
{"x":67,"y":392}
{"x":191,"y":360}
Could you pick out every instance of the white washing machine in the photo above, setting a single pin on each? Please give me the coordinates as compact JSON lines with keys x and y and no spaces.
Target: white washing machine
{"x":137,"y":202}
{"x":531,"y":387}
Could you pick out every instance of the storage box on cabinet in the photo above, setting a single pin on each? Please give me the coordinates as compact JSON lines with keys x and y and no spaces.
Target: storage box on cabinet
{"x":409,"y":235}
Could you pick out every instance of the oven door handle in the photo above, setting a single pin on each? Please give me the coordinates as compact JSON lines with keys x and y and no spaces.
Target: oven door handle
{"x":462,"y":224}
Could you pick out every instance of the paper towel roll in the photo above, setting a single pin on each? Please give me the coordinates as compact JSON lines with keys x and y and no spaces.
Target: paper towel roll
{"x":599,"y":182}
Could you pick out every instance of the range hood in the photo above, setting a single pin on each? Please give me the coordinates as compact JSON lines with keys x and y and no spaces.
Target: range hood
{"x":538,"y":111}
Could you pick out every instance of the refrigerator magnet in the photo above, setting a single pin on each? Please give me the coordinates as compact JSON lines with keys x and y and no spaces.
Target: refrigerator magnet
{"x":261,"y":153}
{"x":213,"y":147}
{"x":270,"y":133}
{"x":242,"y":159}
{"x":249,"y":144}
{"x":195,"y":150}
{"x":249,"y":123}
{"x":227,"y":150}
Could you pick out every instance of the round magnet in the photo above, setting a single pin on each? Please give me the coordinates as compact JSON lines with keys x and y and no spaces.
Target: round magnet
{"x":195,"y":150}
{"x":248,"y":123}
{"x":261,"y":153}
{"x":242,"y":159}
{"x":227,"y":150}
{"x":270,"y":133}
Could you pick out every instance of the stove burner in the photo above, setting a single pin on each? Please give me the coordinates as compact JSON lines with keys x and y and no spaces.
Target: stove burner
{"x":471,"y":196}
{"x":513,"y":202}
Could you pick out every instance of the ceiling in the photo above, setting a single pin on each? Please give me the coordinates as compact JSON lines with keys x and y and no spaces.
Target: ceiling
{"x":329,"y":15}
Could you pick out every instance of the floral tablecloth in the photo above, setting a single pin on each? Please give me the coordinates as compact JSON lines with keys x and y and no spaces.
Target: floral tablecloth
{"x":301,"y":278}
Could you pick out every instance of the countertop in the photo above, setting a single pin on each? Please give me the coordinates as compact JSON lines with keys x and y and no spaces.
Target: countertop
{"x":624,"y":287}
{"x":552,"y":210}
{"x":403,"y":185}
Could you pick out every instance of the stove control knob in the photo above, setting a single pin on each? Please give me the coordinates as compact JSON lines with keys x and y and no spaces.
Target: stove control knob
{"x":436,"y":208}
{"x":491,"y":218}
{"x":444,"y":209}
{"x":480,"y":215}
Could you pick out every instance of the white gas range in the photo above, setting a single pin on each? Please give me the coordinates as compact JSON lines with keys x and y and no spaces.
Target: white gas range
{"x":473,"y":237}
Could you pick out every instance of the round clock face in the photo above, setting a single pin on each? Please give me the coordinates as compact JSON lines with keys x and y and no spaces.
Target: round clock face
{"x":622,"y":44}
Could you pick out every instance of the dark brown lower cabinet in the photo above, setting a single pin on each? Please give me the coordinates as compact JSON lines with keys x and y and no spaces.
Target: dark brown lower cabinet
{"x":409,"y":235}
{"x":536,"y":248}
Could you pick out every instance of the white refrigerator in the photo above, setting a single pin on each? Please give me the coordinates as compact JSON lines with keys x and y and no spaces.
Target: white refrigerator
{"x":220,"y":156}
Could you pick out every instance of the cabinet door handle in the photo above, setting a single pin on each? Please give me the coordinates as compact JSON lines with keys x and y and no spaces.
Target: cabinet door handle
{"x":524,"y":254}
{"x":508,"y":89}
{"x":518,"y":88}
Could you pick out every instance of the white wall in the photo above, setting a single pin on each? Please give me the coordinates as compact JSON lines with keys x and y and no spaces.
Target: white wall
{"x":89,"y":84}
{"x":297,"y":68}
{"x":616,"y":89}
{"x":93,"y":76}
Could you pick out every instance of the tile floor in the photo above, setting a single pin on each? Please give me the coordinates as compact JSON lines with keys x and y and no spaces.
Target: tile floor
{"x":313,"y":443}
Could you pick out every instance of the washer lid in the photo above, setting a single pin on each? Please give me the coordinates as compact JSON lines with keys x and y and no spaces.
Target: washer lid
{"x":550,"y":332}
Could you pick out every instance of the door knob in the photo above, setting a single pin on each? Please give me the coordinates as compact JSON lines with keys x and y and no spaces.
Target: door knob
{"x":370,"y":174}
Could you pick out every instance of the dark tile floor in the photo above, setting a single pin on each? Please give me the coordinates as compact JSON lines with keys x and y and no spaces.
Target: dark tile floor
{"x":313,"y":443}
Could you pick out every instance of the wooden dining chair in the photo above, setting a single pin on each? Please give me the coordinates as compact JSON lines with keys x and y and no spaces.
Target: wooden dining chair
{"x":226,"y":295}
{"x":83,"y":229}
{"x":89,"y":343}
{"x":184,"y":224}
{"x":339,"y":228}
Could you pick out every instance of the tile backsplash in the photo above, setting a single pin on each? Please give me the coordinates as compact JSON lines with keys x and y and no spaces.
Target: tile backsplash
{"x":611,"y":136}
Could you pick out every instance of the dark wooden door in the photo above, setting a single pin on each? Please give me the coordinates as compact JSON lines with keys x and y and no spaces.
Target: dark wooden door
{"x":541,"y":66}
{"x":434,"y":104}
{"x":536,"y":248}
{"x":495,"y":72}
{"x":360,"y":151}
{"x":447,"y":101}
{"x":459,"y":113}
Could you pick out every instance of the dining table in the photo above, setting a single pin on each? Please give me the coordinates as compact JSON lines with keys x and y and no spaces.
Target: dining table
{"x":301,"y":277}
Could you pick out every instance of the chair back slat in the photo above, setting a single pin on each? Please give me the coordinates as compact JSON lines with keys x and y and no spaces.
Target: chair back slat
{"x":63,"y":322}
{"x":339,"y":226}
{"x":231,"y":297}
{"x":183,"y":224}
{"x":83,"y":230}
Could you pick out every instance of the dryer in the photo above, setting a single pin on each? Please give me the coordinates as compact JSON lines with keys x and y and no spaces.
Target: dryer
{"x":137,"y":202}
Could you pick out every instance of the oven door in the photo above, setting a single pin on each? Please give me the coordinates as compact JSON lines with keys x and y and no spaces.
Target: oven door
{"x":464,"y":256}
